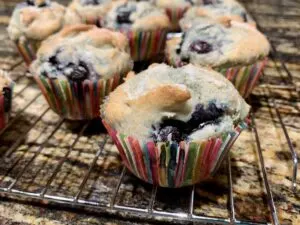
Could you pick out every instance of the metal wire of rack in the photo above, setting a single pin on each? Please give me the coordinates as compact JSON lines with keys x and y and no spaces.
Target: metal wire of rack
{"x":11,"y":189}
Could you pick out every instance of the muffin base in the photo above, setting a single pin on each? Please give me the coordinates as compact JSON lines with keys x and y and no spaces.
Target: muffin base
{"x":174,"y":165}
{"x":145,"y":45}
{"x":76,"y":100}
{"x":28,"y":49}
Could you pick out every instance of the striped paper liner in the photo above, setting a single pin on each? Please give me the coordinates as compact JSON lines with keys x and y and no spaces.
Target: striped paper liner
{"x":4,"y":114}
{"x":244,"y":78}
{"x":174,"y":165}
{"x":175,"y":15}
{"x":145,"y":45}
{"x":28,"y":49}
{"x":76,"y":100}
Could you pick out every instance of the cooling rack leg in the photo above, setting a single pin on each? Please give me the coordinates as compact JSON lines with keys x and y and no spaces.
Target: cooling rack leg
{"x":113,"y":198}
{"x":264,"y":173}
{"x":152,"y":199}
{"x":231,"y":200}
{"x":191,"y":205}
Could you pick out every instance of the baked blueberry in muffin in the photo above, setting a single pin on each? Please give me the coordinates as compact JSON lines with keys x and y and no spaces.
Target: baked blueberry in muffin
{"x":175,"y":104}
{"x":221,"y":12}
{"x":218,"y":46}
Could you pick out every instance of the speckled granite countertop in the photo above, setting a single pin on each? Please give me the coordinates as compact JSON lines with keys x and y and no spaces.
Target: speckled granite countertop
{"x":280,"y":20}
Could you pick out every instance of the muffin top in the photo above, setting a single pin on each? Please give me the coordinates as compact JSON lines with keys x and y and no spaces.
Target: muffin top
{"x":82,"y":10}
{"x":174,"y":4}
{"x":217,"y":45}
{"x":136,"y":16}
{"x":221,"y":12}
{"x":81,"y":52}
{"x":36,"y":19}
{"x":165,"y":103}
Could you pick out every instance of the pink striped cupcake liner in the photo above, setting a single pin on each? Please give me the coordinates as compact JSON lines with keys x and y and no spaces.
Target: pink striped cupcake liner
{"x":174,"y":165}
{"x":244,"y":78}
{"x":28,"y":49}
{"x":5,"y":105}
{"x":76,"y":100}
{"x":145,"y":45}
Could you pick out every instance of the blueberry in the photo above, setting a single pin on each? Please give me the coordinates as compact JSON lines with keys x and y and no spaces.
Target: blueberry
{"x":44,"y":4}
{"x":80,"y":72}
{"x":178,"y":49}
{"x":190,"y":1}
{"x":200,"y":47}
{"x":123,"y":14}
{"x":207,"y":2}
{"x":244,"y":16}
{"x":30,"y":2}
{"x":90,"y":2}
{"x":185,"y":59}
{"x":202,"y":115}
{"x":7,"y":98}
{"x":53,"y":60}
{"x":169,"y":132}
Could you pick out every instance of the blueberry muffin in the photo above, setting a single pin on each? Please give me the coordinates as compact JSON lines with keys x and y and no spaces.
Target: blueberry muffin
{"x":166,"y":113}
{"x":32,"y":22}
{"x":237,"y":50}
{"x":221,"y":12}
{"x":77,"y":67}
{"x":144,"y":25}
{"x":87,"y":11}
{"x":6,"y":89}
{"x":175,"y":9}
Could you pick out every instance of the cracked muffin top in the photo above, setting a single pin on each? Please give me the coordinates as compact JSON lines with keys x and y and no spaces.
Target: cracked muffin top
{"x":82,"y":52}
{"x":216,"y":45}
{"x":164,"y":103}
{"x":135,"y":16}
{"x":36,"y":19}
{"x":221,"y":12}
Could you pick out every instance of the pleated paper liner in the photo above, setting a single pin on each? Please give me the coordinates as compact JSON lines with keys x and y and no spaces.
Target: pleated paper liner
{"x":5,"y":105}
{"x":244,"y":78}
{"x":76,"y":100}
{"x":145,"y":45}
{"x":174,"y":165}
{"x":175,"y":15}
{"x":28,"y":49}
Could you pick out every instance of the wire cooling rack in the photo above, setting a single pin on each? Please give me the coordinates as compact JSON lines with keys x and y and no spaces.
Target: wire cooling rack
{"x":11,"y":183}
